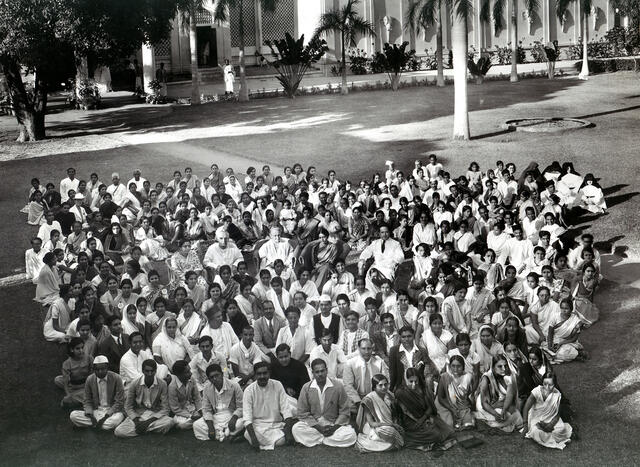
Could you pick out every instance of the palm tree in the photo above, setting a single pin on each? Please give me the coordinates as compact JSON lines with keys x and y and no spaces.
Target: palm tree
{"x":585,"y":6}
{"x":459,"y":43}
{"x":221,"y":14}
{"x":498,"y":9}
{"x":425,"y":13}
{"x":187,"y":12}
{"x":349,"y":24}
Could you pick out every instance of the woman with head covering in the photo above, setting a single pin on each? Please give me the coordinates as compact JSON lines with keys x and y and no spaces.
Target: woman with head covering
{"x":418,"y":416}
{"x":590,"y":195}
{"x":170,"y":345}
{"x":376,"y":421}
{"x":486,"y":346}
{"x":455,"y":391}
{"x":132,"y":320}
{"x":563,"y":336}
{"x":496,"y":401}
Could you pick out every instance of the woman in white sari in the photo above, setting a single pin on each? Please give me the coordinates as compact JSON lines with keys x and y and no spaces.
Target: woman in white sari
{"x":437,"y":341}
{"x":563,"y":336}
{"x":247,"y":302}
{"x":132,"y":321}
{"x":496,"y":401}
{"x":36,"y":208}
{"x":542,"y":416}
{"x":190,"y":324}
{"x":376,"y":424}
{"x":455,"y":310}
{"x":149,"y":242}
{"x":48,"y":282}
{"x":487,"y":347}
{"x":131,"y":203}
{"x":170,"y":345}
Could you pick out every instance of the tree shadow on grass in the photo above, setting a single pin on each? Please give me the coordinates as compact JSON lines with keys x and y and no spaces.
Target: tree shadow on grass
{"x":425,"y":102}
{"x":614,"y":188}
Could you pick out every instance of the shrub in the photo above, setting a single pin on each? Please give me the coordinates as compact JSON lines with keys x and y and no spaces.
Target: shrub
{"x":609,"y":65}
{"x":358,"y":61}
{"x":377,"y":63}
{"x":623,"y":41}
{"x":502,"y":55}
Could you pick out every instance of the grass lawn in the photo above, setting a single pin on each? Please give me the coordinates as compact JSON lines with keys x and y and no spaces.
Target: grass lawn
{"x":354,"y":135}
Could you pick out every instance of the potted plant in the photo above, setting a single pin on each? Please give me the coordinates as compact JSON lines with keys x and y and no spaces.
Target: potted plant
{"x":155,"y":97}
{"x":480,"y":68}
{"x":87,"y":95}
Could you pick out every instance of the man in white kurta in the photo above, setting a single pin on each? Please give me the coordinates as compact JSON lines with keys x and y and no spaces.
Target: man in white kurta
{"x":323,"y":412}
{"x":221,"y":333}
{"x":132,"y":359}
{"x":387,"y":254}
{"x":221,"y":408}
{"x":69,"y":183}
{"x":520,"y":250}
{"x":264,"y":410}
{"x":117,"y":190}
{"x":498,"y":240}
{"x":275,"y":248}
{"x":298,"y":338}
{"x":221,"y":253}
{"x":33,"y":259}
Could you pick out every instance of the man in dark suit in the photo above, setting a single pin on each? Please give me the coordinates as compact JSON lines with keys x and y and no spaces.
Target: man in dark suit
{"x":266,"y":329}
{"x":114,"y":347}
{"x":386,"y":338}
{"x":326,"y":320}
{"x":103,"y":399}
{"x":408,"y":355}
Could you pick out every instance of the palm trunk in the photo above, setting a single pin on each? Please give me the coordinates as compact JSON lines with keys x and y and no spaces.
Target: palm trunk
{"x":244,"y":91}
{"x":440,"y":73}
{"x":459,"y":45}
{"x":193,"y":45}
{"x":29,"y":113}
{"x":514,"y":42}
{"x":584,"y":73}
{"x":345,"y":88}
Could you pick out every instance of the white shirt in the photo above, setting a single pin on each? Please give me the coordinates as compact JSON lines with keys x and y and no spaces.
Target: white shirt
{"x":33,"y":263}
{"x":138,"y":183}
{"x":333,"y":359}
{"x":321,"y":392}
{"x":131,"y":364}
{"x":44,"y":232}
{"x":67,"y":184}
{"x":387,"y":260}
{"x":117,"y":193}
{"x":102,"y":392}
{"x":300,"y":341}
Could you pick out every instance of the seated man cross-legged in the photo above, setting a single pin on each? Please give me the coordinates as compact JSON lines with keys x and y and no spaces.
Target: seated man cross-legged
{"x":146,"y":405}
{"x":221,"y":408}
{"x":103,"y":398}
{"x":324,"y":410}
{"x":184,"y":398}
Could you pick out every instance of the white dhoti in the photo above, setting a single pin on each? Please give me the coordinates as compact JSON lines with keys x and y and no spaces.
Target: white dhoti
{"x":127,"y":429}
{"x":269,"y":434}
{"x":79,"y":419}
{"x":183,"y":423}
{"x":293,"y":405}
{"x":343,"y":437}
{"x":221,"y":425}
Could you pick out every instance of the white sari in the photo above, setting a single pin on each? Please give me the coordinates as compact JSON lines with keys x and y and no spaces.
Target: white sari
{"x":437,"y":347}
{"x":458,"y":315}
{"x":171,"y":349}
{"x":544,"y":410}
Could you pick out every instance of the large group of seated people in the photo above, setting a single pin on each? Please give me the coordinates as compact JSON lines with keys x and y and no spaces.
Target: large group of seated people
{"x":297,"y":308}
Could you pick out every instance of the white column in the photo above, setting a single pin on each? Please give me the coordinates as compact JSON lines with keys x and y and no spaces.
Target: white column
{"x":546,"y":19}
{"x":258,"y":14}
{"x":148,"y":66}
{"x":577,"y":22}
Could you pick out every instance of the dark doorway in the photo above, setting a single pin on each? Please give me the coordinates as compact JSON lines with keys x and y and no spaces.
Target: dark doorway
{"x":207,"y":47}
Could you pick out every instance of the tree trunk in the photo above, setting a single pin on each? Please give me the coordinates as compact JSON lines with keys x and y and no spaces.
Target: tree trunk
{"x":243,"y":95}
{"x":514,"y":42}
{"x":440,"y":73}
{"x":459,"y":46}
{"x":584,"y":73}
{"x":395,"y":82}
{"x":29,"y":111}
{"x":193,"y":46}
{"x":345,"y":86}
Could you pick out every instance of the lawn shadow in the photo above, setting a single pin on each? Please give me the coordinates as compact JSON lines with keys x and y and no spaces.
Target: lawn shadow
{"x":618,"y":199}
{"x":430,"y":102}
{"x":609,"y":190}
{"x":609,"y":112}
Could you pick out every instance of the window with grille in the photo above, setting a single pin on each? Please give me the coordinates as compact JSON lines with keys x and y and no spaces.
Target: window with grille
{"x":162,"y":48}
{"x":249,"y":20}
{"x":276,"y":23}
{"x":203,"y":16}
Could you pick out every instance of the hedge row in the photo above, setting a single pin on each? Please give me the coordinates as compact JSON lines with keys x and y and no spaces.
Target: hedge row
{"x":610,"y":65}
